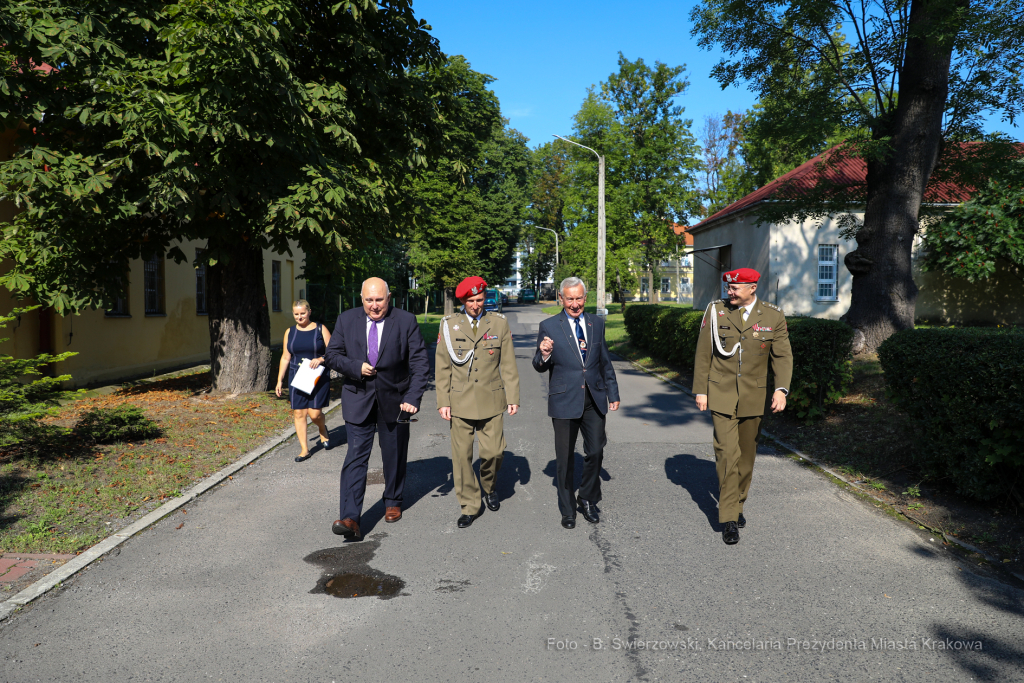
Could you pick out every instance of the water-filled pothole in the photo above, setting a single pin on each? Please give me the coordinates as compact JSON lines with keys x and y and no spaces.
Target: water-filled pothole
{"x":363,"y":586}
{"x":347,"y":573}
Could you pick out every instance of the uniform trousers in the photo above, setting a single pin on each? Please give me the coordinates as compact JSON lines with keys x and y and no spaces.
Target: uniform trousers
{"x":592,"y":424}
{"x":735,"y":448}
{"x":492,"y":449}
{"x":394,"y":449}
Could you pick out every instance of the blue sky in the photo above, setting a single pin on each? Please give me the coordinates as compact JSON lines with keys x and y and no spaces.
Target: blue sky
{"x":544,"y":55}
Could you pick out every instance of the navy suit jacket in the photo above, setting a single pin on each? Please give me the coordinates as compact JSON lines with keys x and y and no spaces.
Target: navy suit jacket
{"x":403,"y":367}
{"x":566,"y":372}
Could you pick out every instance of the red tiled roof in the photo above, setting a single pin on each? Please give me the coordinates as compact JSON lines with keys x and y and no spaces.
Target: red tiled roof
{"x":845,"y":172}
{"x":685,"y":231}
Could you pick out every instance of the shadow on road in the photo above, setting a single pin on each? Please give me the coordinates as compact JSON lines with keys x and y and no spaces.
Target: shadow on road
{"x":552,"y":469}
{"x":700,"y":480}
{"x":421,"y":477}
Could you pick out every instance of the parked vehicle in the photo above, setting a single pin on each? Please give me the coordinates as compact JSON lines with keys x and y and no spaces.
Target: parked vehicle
{"x":527,"y":296}
{"x":492,"y":302}
{"x":504,"y":299}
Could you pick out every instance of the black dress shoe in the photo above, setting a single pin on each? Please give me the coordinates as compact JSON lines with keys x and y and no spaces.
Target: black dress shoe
{"x":492,"y":500}
{"x":589,"y":511}
{"x":568,"y":522}
{"x":742,"y":521}
{"x":731,"y":534}
{"x":465,"y":520}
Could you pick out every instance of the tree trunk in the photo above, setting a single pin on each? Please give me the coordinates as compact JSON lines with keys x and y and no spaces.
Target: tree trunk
{"x":239,"y":322}
{"x":449,"y":300}
{"x":884,"y":293}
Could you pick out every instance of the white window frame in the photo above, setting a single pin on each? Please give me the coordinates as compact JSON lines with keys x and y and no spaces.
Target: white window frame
{"x":827,"y":259}
{"x":666,"y":285}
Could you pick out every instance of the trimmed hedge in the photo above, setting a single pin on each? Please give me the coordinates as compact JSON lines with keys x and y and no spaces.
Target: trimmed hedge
{"x":962,"y":388}
{"x":821,"y":351}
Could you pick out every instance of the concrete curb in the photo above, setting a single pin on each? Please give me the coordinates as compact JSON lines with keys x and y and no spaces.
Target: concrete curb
{"x":832,"y":473}
{"x":72,"y":567}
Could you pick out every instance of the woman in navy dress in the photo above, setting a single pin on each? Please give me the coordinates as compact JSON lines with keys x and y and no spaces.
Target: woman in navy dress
{"x":306,"y":339}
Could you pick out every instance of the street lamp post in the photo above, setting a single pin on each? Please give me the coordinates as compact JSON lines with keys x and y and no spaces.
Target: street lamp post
{"x":601,"y":233}
{"x":553,"y":283}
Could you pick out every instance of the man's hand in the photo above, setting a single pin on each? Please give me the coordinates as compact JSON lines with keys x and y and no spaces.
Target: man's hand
{"x":409,"y":408}
{"x":778,"y":401}
{"x":446,"y":412}
{"x":369,"y":370}
{"x":546,"y":346}
{"x":614,"y":405}
{"x":512,"y":410}
{"x":702,"y":402}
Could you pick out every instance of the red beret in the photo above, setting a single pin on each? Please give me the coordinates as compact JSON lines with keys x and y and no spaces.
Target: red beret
{"x":741,"y":276}
{"x":471,"y":286}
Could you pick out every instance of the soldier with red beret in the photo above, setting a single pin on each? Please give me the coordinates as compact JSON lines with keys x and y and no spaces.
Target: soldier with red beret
{"x":476,"y":380}
{"x":740,"y":337}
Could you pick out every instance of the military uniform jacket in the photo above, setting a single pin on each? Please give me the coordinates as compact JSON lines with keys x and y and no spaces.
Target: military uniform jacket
{"x":488,"y":383}
{"x":740,"y":382}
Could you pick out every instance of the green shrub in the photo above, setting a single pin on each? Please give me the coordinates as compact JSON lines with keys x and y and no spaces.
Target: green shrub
{"x":23,"y":398}
{"x":822,"y":369}
{"x":111,"y":425}
{"x":962,"y":389}
{"x":821,"y":351}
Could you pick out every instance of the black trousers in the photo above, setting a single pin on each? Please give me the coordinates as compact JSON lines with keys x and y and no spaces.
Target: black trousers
{"x":591,"y":423}
{"x":394,"y":450}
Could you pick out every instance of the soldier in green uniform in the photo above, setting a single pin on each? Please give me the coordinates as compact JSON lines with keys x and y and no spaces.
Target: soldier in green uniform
{"x":739,"y":337}
{"x":476,"y":380}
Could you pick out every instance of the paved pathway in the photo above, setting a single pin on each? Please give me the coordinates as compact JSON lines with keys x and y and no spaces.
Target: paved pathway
{"x":236,"y":589}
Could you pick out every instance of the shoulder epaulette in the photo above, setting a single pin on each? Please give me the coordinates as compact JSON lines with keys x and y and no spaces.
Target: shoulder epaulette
{"x":500,"y":315}
{"x":772,"y":306}
{"x":450,"y":315}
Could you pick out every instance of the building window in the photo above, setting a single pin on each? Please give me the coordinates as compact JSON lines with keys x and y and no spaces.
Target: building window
{"x":665,"y":285}
{"x":275,"y":285}
{"x":120,"y":307}
{"x":200,"y":284}
{"x":828,"y":268}
{"x":154,"y":285}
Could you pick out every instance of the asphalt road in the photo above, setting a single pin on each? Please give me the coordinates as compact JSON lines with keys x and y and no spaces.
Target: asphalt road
{"x":821,"y":586}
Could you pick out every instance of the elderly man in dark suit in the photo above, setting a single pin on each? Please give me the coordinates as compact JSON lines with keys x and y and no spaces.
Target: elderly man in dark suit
{"x":581,"y":389}
{"x":380,"y":352}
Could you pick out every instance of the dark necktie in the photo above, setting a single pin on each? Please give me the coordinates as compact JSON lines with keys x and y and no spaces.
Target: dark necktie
{"x":371,"y":344}
{"x":582,"y":340}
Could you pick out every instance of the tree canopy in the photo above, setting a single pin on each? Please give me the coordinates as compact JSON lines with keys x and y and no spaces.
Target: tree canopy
{"x":651,"y":162}
{"x":469,"y":209}
{"x":907,"y":77}
{"x":970,"y":240}
{"x":241,"y":123}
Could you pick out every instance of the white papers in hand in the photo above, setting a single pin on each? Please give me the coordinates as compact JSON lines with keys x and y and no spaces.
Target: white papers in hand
{"x":306,"y":377}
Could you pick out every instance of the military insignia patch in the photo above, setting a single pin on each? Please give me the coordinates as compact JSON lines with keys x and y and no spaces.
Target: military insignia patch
{"x":721,"y":313}
{"x":762,"y":328}
{"x":455,"y":327}
{"x":490,"y":351}
{"x":764,"y":346}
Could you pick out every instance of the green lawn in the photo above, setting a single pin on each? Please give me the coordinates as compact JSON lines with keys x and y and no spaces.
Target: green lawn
{"x":430,"y":324}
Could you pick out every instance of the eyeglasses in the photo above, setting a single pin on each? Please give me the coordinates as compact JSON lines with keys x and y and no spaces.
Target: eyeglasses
{"x":736,"y":288}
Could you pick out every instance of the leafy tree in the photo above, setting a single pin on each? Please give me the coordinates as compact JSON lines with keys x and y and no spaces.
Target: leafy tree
{"x":725,"y":176}
{"x":651,"y":162}
{"x":970,"y":240}
{"x":469,"y":210}
{"x":911,"y":75}
{"x":547,"y":205}
{"x":240,"y":123}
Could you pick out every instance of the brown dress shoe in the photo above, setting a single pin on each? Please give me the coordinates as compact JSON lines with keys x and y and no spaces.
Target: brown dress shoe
{"x":392,"y":514}
{"x":347,"y":528}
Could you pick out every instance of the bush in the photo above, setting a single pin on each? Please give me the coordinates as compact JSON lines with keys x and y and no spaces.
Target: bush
{"x":111,"y":425}
{"x":822,"y":369}
{"x":821,"y":351}
{"x":23,"y":399}
{"x":962,"y":389}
